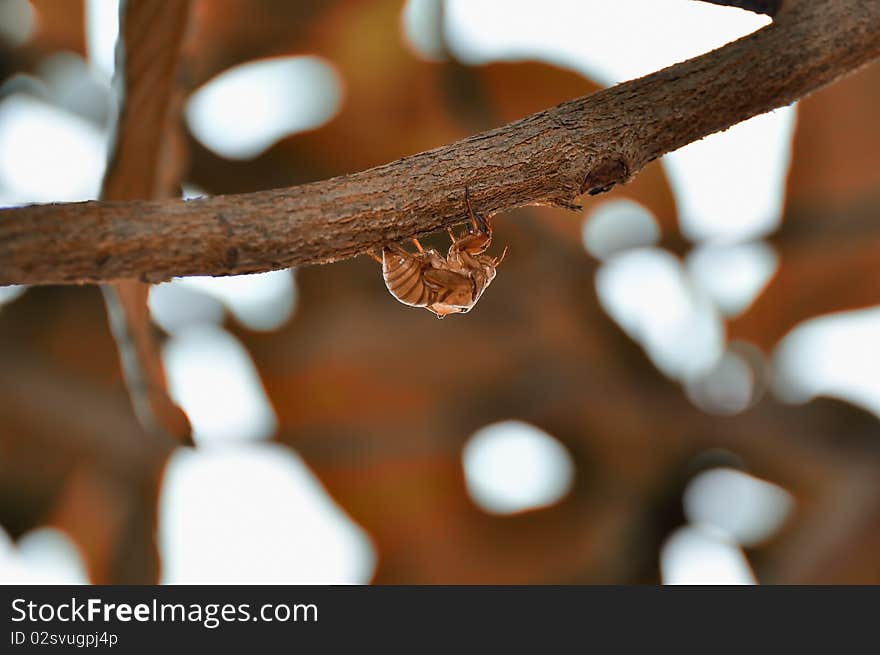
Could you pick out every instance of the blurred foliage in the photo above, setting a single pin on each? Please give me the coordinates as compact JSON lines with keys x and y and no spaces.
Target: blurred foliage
{"x":829,"y":237}
{"x":379,"y":399}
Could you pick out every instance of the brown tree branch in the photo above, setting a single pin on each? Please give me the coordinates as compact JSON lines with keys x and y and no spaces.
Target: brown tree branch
{"x":586,"y":145}
{"x":146,"y":163}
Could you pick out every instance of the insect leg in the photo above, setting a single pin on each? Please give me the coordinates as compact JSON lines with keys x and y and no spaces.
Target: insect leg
{"x":478,"y":223}
{"x":418,"y":245}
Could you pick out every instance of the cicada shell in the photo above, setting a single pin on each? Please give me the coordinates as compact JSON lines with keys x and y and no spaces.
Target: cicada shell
{"x":444,"y":285}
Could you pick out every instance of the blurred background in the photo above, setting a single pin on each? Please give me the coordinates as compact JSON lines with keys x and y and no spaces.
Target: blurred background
{"x":681,"y":384}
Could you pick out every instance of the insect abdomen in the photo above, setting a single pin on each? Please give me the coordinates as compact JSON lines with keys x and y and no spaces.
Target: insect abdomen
{"x":403,"y":278}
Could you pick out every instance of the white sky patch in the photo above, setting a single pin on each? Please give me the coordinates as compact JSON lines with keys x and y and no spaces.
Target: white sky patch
{"x":10,"y":293}
{"x":420,"y":29}
{"x":260,"y":301}
{"x":610,"y":41}
{"x":42,"y":556}
{"x":102,"y":29}
{"x":726,"y":389}
{"x":618,"y":225}
{"x":75,"y":86}
{"x":255,"y":514}
{"x":513,"y":466}
{"x":747,"y":509}
{"x":47,"y":154}
{"x":735,"y":275}
{"x":648,"y":294}
{"x":699,"y":555}
{"x":17,"y":22}
{"x":836,"y":355}
{"x":214,"y":380}
{"x":192,"y":192}
{"x":244,"y":110}
{"x":176,"y":307}
{"x":730,"y":185}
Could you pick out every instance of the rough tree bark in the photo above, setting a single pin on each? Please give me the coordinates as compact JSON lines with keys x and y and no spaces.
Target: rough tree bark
{"x":585,"y":145}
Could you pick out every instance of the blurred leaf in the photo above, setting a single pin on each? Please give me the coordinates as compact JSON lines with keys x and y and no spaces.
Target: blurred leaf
{"x":229,"y":32}
{"x":60,"y":25}
{"x":73,"y":453}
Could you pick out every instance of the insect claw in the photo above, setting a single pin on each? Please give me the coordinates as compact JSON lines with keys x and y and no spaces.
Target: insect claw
{"x":478,"y":223}
{"x":472,"y":226}
{"x":396,"y":247}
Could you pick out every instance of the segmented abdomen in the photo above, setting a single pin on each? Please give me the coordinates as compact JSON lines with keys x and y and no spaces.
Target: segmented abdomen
{"x":403,"y":278}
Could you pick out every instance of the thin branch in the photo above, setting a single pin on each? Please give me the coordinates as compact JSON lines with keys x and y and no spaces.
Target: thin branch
{"x":146,"y":164}
{"x":146,"y":160}
{"x":586,"y":145}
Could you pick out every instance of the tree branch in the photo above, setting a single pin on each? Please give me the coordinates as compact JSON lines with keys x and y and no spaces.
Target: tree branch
{"x":146,"y":163}
{"x":586,"y":145}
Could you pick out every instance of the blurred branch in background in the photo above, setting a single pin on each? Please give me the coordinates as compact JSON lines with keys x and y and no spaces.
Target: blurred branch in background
{"x":586,"y":145}
{"x":146,"y":162}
